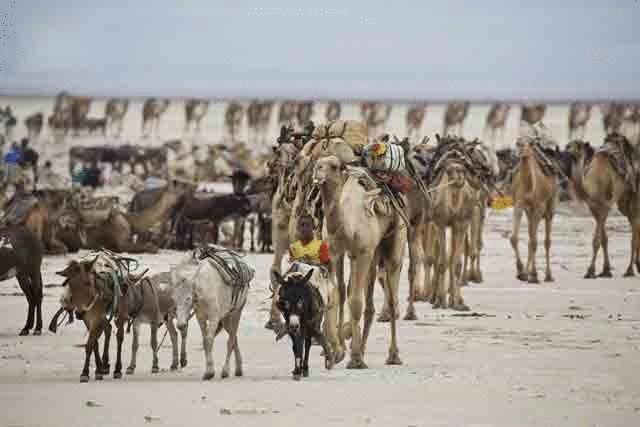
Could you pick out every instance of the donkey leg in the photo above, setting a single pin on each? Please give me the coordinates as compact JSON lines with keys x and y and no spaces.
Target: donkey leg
{"x":92,"y":342}
{"x":231,"y":343}
{"x":134,"y":347}
{"x":36,"y":283}
{"x":105,"y":353}
{"x":25,"y":285}
{"x":173,"y":335}
{"x":183,"y":346}
{"x":236,"y":347}
{"x":96,"y":355}
{"x":206,"y":328}
{"x":117,"y":373}
{"x":305,"y":358}
{"x":154,"y":347}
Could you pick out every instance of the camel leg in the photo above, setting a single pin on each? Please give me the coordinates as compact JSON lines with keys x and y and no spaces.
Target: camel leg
{"x":393,"y":266}
{"x":532,"y":273}
{"x":430,"y":257}
{"x":440,"y":300}
{"x":173,"y":335}
{"x":134,"y":347}
{"x":416,"y":270}
{"x":457,"y":241}
{"x":606,"y":266}
{"x":342,"y":296}
{"x":515,"y":230}
{"x":466,"y":258}
{"x":637,"y":248}
{"x":369,"y":309}
{"x":359,"y":273}
{"x":281,"y":244}
{"x":548,"y":220}
{"x":597,"y":240}
{"x":331,"y":327}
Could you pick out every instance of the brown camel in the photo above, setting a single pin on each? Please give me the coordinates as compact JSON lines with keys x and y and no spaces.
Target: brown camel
{"x":532,"y":113}
{"x":366,"y":228}
{"x":496,"y":121}
{"x":304,"y":112}
{"x":333,"y":111}
{"x":596,"y":181}
{"x":375,"y":115}
{"x":579,"y":115}
{"x":454,"y":117}
{"x":194,"y":111}
{"x":535,"y":194}
{"x":287,"y":113}
{"x":233,"y":119}
{"x":415,"y":118}
{"x":453,"y":204}
{"x":115,"y":111}
{"x":34,"y":125}
{"x":152,"y":110}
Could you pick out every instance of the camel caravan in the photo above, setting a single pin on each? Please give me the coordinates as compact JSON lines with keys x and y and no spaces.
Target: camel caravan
{"x":327,"y":193}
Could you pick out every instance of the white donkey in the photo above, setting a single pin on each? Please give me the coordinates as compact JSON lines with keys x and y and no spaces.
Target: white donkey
{"x":217,"y":294}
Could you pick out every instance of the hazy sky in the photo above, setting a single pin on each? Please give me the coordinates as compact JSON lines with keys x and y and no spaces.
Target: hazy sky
{"x":474,"y":49}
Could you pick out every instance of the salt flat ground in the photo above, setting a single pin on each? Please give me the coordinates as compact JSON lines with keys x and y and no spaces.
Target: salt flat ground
{"x":560,"y":354}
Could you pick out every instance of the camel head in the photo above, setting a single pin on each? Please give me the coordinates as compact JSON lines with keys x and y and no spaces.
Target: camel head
{"x":328,"y":170}
{"x":456,"y":174}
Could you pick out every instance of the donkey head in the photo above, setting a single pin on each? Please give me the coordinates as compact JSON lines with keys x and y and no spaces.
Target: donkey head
{"x":294,"y":300}
{"x":80,"y":285}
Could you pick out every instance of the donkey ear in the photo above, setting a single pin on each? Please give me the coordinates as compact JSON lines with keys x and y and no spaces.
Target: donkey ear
{"x":307,"y":276}
{"x":71,"y":269}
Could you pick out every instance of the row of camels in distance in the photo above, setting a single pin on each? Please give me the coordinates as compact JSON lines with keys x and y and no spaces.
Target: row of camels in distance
{"x":71,"y":114}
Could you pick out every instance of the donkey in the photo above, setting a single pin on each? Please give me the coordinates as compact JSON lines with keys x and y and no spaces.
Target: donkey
{"x":302,"y":307}
{"x":21,"y":257}
{"x":219,"y":305}
{"x":153,"y":304}
{"x":93,"y":289}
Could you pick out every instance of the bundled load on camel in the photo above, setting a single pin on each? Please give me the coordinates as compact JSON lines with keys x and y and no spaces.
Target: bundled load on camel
{"x":353,"y":132}
{"x":623,"y":157}
{"x":470,"y":153}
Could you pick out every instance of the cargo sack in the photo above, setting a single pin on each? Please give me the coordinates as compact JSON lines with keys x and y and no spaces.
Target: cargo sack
{"x":353,"y":132}
{"x":383,"y":157}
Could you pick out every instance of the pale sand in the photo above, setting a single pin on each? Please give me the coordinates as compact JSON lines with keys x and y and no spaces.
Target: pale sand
{"x":527,"y":365}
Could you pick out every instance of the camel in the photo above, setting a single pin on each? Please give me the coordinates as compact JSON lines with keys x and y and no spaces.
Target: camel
{"x":282,"y":167}
{"x":535,"y":194}
{"x":233,"y":119}
{"x":253,"y":120}
{"x":579,"y":115}
{"x":452,"y":208}
{"x":533,"y":113}
{"x":194,"y":111}
{"x":496,"y":121}
{"x":333,"y":111}
{"x":454,"y":117}
{"x":152,"y":110}
{"x":264,"y":120}
{"x":362,"y":226}
{"x":596,"y":181}
{"x":34,"y":125}
{"x":287,"y":113}
{"x":114,"y":111}
{"x":304,"y":112}
{"x":375,"y":115}
{"x":415,"y":118}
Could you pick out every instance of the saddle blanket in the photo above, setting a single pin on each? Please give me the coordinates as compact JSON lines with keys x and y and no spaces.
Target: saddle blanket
{"x":233,"y":270}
